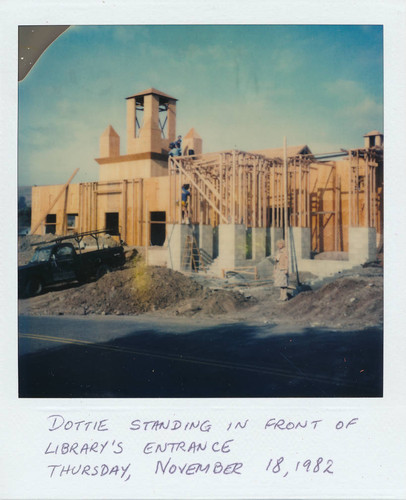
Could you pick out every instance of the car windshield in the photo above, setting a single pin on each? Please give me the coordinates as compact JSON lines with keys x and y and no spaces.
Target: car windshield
{"x":41,"y":255}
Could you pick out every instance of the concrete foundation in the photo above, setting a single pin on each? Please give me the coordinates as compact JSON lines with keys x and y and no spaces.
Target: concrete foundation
{"x":206,"y":239}
{"x":176,"y":239}
{"x":300,"y":244}
{"x":157,"y":256}
{"x":258,"y":243}
{"x":323,"y":268}
{"x":362,"y":244}
{"x":232,"y":244}
{"x":232,"y":247}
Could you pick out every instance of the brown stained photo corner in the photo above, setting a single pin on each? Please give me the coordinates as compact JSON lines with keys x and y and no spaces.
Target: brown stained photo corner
{"x":172,"y":241}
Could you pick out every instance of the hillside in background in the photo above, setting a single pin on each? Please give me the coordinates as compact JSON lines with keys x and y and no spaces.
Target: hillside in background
{"x":25,"y":191}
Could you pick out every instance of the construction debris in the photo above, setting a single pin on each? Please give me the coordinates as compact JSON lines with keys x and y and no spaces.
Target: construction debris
{"x":351,"y":300}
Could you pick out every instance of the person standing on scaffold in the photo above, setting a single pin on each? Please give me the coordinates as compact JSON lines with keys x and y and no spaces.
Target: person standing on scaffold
{"x":185,"y":203}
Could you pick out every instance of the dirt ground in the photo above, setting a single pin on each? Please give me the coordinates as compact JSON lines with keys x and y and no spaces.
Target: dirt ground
{"x":350,"y":300}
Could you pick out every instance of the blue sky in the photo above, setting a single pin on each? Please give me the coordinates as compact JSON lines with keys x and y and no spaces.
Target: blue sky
{"x":243,"y":87}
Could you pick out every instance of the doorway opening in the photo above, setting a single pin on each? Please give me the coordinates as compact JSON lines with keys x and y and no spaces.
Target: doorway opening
{"x":112,"y":226}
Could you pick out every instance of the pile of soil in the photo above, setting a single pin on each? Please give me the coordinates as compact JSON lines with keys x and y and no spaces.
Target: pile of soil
{"x":135,"y":290}
{"x":353,"y":300}
{"x":348,"y":301}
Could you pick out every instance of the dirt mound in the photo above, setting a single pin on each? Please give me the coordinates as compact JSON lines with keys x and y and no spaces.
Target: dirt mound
{"x":26,"y":246}
{"x":214,"y":302}
{"x":351,"y":301}
{"x":134,"y":290}
{"x":345,"y":301}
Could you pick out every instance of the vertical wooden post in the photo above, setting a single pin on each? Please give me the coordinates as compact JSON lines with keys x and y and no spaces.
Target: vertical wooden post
{"x":278,"y":201}
{"x":356,"y":191}
{"x":80,"y":224}
{"x":285,"y":169}
{"x":140,"y":211}
{"x":95,"y":206}
{"x":124,"y":208}
{"x":335,"y":201}
{"x":367,"y":193}
{"x":170,"y":189}
{"x":221,"y":183}
{"x":259,"y":201}
{"x":264,"y":193}
{"x":85,"y":210}
{"x":133,"y":212}
{"x":241,"y":167}
{"x":64,"y":214}
{"x":246,"y":195}
{"x":339,"y":214}
{"x":254,"y":195}
{"x":374,"y":208}
{"x":308,"y":196}
{"x":179,"y":195}
{"x":300,"y":194}
{"x":146,"y":231}
{"x":233,"y":189}
{"x":350,"y":189}
{"x":86,"y":200}
{"x":293,"y":188}
{"x":273,"y":194}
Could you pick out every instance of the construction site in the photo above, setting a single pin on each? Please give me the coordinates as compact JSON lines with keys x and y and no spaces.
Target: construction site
{"x":327,"y":207}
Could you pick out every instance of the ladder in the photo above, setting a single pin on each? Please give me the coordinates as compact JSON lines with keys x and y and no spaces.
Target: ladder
{"x":191,"y":256}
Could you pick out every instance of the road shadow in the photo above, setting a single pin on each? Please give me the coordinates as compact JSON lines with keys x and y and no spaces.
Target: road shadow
{"x":227,"y":361}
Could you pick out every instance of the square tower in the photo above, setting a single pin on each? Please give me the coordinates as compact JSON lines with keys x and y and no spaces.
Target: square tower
{"x":151,"y":122}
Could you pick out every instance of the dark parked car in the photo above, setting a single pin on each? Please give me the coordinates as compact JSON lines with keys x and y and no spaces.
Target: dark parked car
{"x":59,"y":262}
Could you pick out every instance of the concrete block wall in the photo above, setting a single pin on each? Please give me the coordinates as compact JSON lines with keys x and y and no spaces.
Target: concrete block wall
{"x":206,"y":239}
{"x":232,"y":244}
{"x":176,"y":240}
{"x":258,"y":243}
{"x":300,"y":242}
{"x":232,"y":247}
{"x":362,"y":244}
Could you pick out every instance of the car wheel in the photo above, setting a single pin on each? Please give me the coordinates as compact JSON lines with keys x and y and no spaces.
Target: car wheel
{"x":33,"y":287}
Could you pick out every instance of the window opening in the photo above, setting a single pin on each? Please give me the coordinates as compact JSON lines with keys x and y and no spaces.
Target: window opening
{"x":71,"y":221}
{"x":50,"y":224}
{"x":163,"y":118}
{"x":139,"y":115}
{"x":158,"y":228}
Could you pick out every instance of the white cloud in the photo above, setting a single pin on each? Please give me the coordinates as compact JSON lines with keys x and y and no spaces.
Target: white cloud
{"x":347,"y":89}
{"x":355,"y":104}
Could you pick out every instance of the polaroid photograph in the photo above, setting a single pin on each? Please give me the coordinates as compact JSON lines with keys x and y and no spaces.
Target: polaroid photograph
{"x":196,"y":299}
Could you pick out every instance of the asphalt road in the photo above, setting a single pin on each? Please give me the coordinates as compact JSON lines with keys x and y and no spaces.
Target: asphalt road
{"x":126,"y":357}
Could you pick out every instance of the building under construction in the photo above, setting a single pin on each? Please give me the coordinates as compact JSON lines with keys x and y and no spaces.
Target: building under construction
{"x":329,"y":206}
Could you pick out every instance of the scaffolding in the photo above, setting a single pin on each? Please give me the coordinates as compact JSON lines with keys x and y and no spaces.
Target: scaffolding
{"x":236,"y":187}
{"x":363,"y":199}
